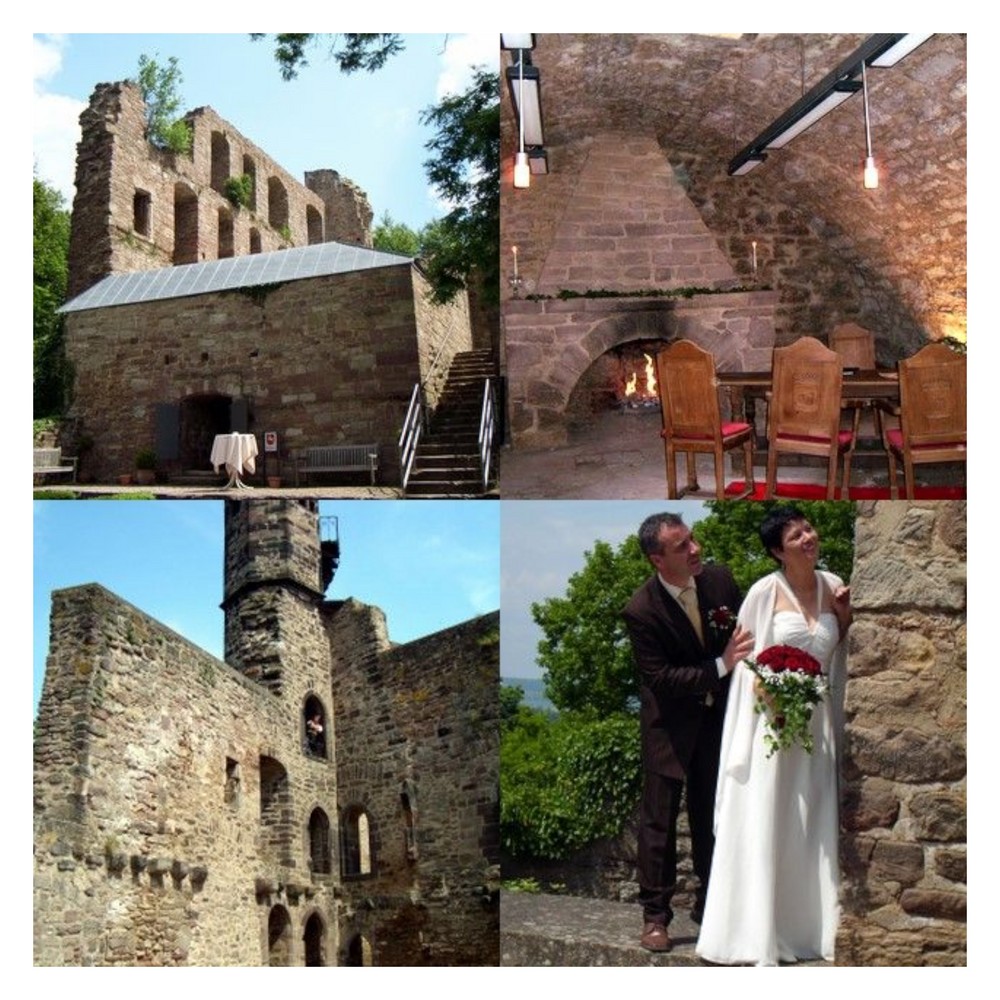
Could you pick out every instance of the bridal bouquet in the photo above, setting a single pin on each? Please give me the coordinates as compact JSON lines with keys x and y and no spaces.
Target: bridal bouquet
{"x":789,"y":683}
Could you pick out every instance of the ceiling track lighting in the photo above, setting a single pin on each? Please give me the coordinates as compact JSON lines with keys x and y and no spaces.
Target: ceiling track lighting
{"x":522,"y":171}
{"x":835,"y":88}
{"x":524,"y":83}
{"x":871,"y":171}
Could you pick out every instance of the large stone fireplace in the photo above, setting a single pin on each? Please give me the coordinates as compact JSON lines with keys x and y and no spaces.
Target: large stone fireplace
{"x":570,"y":358}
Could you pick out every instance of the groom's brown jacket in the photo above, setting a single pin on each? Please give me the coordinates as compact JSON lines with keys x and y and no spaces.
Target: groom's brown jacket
{"x":675,"y":671}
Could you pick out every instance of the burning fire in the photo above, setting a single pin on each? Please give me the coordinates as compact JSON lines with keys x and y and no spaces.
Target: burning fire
{"x":631,"y":385}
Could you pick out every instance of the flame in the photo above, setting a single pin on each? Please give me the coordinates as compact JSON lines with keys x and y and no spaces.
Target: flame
{"x":631,"y":384}
{"x":650,"y":375}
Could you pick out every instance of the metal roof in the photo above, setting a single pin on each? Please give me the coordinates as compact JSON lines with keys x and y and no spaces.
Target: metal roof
{"x":232,"y":272}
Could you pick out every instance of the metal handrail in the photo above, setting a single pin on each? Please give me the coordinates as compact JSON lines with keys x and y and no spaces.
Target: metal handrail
{"x":409,"y":437}
{"x":487,"y":430}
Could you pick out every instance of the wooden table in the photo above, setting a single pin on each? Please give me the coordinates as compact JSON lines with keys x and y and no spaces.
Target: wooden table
{"x":745,"y":388}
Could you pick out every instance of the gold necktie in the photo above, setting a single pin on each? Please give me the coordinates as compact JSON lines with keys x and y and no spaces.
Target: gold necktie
{"x":689,"y":601}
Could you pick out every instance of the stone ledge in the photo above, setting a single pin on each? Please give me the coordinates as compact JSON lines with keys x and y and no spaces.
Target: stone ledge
{"x":545,"y":930}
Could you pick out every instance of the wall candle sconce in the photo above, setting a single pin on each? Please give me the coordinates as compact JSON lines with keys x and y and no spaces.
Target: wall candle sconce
{"x":516,"y":281}
{"x":753,"y":247}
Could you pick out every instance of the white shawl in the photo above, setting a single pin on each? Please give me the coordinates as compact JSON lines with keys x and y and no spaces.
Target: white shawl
{"x":757,"y":614}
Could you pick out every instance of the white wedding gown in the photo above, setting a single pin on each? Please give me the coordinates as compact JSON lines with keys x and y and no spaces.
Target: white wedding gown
{"x":773,"y":891}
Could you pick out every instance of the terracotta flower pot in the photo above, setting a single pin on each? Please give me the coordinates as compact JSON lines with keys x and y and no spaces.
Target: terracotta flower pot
{"x":274,"y":482}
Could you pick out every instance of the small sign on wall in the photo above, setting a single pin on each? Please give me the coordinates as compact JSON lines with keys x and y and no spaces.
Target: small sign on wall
{"x":270,"y":441}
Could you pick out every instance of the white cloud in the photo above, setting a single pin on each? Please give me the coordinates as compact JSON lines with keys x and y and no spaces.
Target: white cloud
{"x":460,"y":55}
{"x":55,"y":119}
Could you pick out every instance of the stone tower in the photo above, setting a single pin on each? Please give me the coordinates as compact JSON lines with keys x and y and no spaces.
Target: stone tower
{"x":276,"y":571}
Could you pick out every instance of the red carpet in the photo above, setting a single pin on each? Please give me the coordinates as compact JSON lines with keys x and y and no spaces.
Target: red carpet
{"x":804,"y":491}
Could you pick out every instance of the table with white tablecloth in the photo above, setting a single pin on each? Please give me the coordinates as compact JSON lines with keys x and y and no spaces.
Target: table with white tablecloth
{"x":237,"y":453}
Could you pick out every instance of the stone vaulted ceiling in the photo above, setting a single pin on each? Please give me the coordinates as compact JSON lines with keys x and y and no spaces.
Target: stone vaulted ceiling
{"x":704,"y":97}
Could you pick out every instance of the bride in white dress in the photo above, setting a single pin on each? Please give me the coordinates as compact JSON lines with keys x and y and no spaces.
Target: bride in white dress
{"x":773,"y":890}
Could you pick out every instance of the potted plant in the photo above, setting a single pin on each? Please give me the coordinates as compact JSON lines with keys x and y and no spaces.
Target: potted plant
{"x":145,"y":467}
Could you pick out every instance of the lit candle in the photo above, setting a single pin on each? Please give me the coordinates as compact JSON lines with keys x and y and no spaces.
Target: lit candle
{"x":513,"y":250}
{"x":753,"y":246}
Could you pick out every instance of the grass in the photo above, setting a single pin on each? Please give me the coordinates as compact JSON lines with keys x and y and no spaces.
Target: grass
{"x":72,"y":495}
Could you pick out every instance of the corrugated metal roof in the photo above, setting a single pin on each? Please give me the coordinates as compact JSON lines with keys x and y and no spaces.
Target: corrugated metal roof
{"x":232,"y":272}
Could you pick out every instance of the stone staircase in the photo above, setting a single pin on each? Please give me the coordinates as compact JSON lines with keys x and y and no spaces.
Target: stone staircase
{"x":447,"y":461}
{"x":538,"y":929}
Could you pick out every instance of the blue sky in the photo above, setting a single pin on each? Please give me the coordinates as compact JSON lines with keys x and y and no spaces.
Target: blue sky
{"x":544,"y":542}
{"x":365,"y":126}
{"x":426,"y":565}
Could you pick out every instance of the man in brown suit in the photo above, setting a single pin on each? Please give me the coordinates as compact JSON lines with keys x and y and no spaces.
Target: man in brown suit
{"x":685,"y":646}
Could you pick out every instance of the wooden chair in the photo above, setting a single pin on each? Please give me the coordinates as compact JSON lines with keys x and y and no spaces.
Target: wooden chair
{"x":856,"y":348}
{"x":689,"y":401}
{"x":932,"y":425}
{"x":803,"y":415}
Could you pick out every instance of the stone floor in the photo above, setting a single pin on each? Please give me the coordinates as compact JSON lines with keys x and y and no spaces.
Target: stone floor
{"x":619,"y":456}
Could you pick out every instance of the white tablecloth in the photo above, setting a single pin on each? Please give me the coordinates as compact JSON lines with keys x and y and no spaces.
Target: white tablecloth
{"x":237,"y":452}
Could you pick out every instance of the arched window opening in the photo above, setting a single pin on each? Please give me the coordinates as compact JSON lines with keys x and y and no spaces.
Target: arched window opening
{"x":226,"y":248}
{"x":314,"y":225}
{"x":312,"y":941}
{"x":357,"y":854}
{"x":319,"y":842}
{"x":142,"y":212}
{"x":314,"y":727}
{"x":408,"y":800}
{"x":185,"y":225}
{"x":220,"y":162}
{"x":275,"y":811}
{"x":279,"y":937}
{"x":277,"y":204}
{"x":359,"y":951}
{"x":250,"y":169}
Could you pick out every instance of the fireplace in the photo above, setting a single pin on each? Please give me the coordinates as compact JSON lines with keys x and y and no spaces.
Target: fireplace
{"x":568,"y":360}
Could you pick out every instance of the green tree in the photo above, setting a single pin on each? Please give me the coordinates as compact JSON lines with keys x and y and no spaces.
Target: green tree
{"x":510,"y":702}
{"x":351,"y":52}
{"x":585,"y":651}
{"x":465,"y":169}
{"x":51,"y":246}
{"x":395,"y":237}
{"x":730,"y":535}
{"x":160,"y":90}
{"x":565,"y":782}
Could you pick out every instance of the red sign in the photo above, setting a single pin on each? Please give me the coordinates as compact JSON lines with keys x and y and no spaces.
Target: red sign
{"x":270,"y":440}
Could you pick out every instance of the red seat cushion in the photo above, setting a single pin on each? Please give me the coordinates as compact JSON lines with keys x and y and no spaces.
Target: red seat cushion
{"x":728,"y":430}
{"x":844,"y":438}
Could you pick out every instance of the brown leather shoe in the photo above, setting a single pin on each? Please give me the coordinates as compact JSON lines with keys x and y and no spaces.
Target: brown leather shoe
{"x":655,"y":937}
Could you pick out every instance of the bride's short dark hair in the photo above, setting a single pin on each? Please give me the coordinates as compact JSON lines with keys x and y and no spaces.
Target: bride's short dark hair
{"x":773,"y":526}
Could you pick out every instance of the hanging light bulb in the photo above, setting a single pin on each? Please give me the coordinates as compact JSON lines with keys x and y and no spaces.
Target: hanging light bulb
{"x":522,"y":169}
{"x":871,"y":171}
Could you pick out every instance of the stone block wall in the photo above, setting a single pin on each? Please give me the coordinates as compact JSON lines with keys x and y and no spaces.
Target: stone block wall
{"x":903,"y":846}
{"x":401,"y":711}
{"x":328,"y":360}
{"x":150,"y":847}
{"x":186,"y":216}
{"x":444,"y":330}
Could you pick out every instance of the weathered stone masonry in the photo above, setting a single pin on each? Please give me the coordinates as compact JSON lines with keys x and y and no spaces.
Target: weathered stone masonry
{"x":138,"y":207}
{"x":182,"y":818}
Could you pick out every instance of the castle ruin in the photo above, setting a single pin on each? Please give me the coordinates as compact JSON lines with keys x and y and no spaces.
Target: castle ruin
{"x":321,"y":797}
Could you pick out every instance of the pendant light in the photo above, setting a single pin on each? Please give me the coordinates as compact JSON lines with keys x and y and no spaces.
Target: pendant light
{"x":871,"y":171}
{"x":522,"y":169}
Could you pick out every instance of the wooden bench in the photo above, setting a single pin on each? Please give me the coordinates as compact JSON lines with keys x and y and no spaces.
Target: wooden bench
{"x":50,"y":461}
{"x":338,"y":458}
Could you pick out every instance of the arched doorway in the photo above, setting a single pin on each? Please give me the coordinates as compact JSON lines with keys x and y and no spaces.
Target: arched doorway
{"x":312,"y":940}
{"x":279,"y":937}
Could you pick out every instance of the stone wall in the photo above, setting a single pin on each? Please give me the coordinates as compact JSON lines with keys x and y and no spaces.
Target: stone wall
{"x":903,"y":849}
{"x":400,"y":712}
{"x":326,"y":360}
{"x":149,"y":845}
{"x":445,"y":330}
{"x":139,"y":208}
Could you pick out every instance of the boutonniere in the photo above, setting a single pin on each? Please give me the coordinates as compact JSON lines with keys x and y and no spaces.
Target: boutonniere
{"x":721,"y":621}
